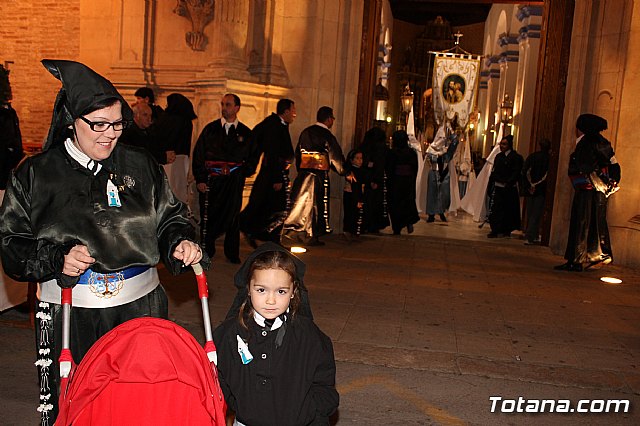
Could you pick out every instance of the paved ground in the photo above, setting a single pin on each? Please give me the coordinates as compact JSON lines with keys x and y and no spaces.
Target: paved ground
{"x":428,"y":326}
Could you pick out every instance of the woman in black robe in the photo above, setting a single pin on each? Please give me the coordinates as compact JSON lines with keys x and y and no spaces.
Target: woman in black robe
{"x":583,"y":243}
{"x":94,"y":215}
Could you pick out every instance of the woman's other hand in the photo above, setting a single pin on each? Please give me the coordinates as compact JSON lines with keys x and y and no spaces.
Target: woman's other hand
{"x":188,"y":252}
{"x":77,"y":261}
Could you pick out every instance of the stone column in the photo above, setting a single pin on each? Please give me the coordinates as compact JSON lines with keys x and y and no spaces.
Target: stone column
{"x":228,"y":39}
{"x":524,"y":97}
{"x":265,"y":60}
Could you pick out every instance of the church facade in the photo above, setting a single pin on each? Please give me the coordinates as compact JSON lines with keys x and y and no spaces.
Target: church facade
{"x":316,"y":54}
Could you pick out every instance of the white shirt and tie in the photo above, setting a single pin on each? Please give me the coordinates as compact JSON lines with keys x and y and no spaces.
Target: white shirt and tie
{"x":226,"y":124}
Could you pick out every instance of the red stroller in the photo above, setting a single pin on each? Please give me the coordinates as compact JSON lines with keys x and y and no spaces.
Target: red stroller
{"x":147,"y":371}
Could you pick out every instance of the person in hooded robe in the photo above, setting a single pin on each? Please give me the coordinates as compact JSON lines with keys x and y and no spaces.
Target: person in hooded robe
{"x":11,"y":151}
{"x":174,"y":129}
{"x":94,"y":215}
{"x":12,"y":293}
{"x":402,"y":169}
{"x":583,"y":242}
{"x":374,"y":150}
{"x":505,"y":210}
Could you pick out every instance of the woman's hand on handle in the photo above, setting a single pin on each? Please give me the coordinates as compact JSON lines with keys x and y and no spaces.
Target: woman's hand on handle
{"x":77,"y":261}
{"x":188,"y":252}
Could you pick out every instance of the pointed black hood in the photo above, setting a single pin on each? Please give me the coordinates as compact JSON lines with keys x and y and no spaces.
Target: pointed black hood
{"x":242,"y":277}
{"x":81,"y":89}
{"x":178,"y":104}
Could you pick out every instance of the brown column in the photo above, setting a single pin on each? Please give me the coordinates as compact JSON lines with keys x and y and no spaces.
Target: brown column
{"x":555,"y":43}
{"x":368,"y":57}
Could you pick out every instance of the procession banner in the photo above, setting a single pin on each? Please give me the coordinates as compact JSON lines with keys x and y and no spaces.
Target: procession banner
{"x":455,"y":84}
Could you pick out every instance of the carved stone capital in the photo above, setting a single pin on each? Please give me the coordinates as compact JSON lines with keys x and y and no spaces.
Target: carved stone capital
{"x":200,"y":13}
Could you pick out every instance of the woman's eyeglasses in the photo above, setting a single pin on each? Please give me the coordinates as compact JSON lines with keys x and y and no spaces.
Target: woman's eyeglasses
{"x":103,"y":126}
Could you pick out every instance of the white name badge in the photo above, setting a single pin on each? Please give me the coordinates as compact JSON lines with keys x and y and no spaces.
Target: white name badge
{"x":113,"y":197}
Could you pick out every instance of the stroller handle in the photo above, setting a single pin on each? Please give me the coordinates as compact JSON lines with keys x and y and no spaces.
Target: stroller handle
{"x":65,"y":361}
{"x":203,"y":293}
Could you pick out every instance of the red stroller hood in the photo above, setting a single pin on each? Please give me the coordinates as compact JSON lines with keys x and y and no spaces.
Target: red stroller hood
{"x":147,"y":371}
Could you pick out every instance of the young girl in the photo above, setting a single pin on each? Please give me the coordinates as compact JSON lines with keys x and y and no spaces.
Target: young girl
{"x":353,"y":197}
{"x":275,"y":365}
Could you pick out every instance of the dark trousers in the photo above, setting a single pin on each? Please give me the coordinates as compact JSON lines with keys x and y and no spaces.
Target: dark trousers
{"x":535,"y":207}
{"x":220,"y":209}
{"x":231,"y":240}
{"x":87,"y":326}
{"x":505,"y":210}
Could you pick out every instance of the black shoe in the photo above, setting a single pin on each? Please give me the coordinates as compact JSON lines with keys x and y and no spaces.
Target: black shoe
{"x":431,"y":218}
{"x":492,"y":235}
{"x":569,"y":266}
{"x":576,"y":267}
{"x":531,"y":243}
{"x":410,"y":229}
{"x":234,"y":260}
{"x":443,"y":217}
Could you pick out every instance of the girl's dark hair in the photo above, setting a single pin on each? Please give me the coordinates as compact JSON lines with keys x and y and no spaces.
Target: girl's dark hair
{"x":270,"y":260}
{"x":352,"y":154}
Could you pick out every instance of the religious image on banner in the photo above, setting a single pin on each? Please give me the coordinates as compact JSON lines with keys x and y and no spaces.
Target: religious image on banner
{"x":455,"y":81}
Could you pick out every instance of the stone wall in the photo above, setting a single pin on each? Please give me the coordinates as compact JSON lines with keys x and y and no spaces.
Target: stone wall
{"x":31,"y":30}
{"x":603,"y":79}
{"x":262,"y":50}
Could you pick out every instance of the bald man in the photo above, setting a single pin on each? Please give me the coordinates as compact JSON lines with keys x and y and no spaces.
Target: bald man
{"x":142,"y":133}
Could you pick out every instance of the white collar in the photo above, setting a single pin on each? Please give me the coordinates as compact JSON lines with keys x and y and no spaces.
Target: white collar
{"x":233,"y":123}
{"x":579,"y":138}
{"x":322,"y":125}
{"x":259,"y":319}
{"x":81,"y":157}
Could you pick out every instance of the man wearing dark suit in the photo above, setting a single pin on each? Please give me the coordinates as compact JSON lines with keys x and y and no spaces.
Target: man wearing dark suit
{"x":224,"y":156}
{"x":269,"y":202}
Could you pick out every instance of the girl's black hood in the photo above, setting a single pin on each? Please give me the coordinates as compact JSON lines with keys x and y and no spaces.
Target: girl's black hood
{"x":242,"y":277}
